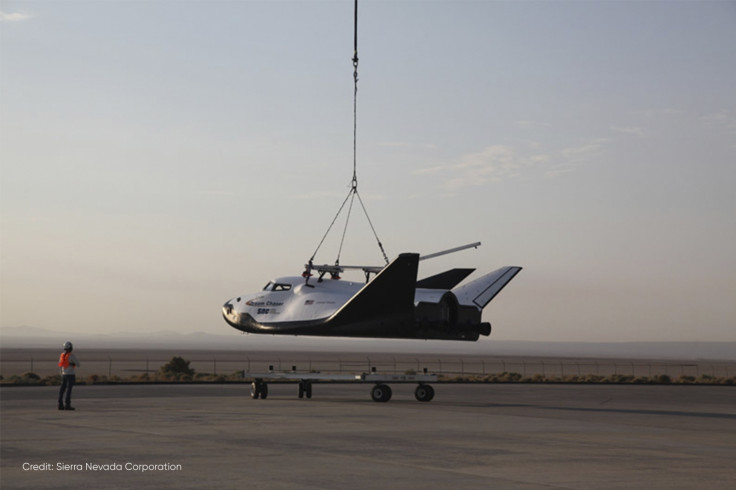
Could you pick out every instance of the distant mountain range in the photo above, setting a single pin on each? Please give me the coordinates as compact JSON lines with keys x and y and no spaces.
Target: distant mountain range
{"x":34,"y":337}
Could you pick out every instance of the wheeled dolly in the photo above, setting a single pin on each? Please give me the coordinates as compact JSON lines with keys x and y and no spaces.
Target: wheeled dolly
{"x":380,"y":392}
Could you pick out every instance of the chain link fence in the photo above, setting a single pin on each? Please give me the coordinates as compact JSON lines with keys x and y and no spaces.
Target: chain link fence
{"x":130,"y":363}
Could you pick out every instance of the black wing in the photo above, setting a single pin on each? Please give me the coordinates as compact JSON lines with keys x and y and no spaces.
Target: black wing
{"x":445,"y":280}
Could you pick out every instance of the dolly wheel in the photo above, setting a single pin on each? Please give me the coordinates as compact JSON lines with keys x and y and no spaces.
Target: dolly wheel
{"x":381,"y":393}
{"x":424,"y":393}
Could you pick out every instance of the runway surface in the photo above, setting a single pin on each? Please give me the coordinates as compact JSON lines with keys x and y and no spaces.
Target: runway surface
{"x":470,"y":436}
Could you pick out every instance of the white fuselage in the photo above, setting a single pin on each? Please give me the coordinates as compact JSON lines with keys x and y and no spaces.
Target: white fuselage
{"x":291,"y":299}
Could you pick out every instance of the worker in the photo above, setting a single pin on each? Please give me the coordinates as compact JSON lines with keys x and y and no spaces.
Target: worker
{"x":67,"y":364}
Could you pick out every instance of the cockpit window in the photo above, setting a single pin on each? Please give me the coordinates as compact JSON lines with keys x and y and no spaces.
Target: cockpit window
{"x":277,"y":286}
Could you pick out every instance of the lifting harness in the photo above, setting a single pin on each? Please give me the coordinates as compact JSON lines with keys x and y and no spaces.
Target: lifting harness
{"x":354,"y":182}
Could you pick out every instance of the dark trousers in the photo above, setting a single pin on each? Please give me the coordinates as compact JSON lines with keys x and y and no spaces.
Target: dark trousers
{"x":67,"y":383}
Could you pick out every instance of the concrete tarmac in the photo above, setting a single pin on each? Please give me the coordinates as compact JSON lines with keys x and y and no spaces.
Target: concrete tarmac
{"x":470,"y":436}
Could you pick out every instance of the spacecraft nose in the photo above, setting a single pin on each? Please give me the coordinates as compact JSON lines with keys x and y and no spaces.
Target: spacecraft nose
{"x":230,"y":313}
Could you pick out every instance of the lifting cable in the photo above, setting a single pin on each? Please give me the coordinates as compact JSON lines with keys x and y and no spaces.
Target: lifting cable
{"x":354,"y":183}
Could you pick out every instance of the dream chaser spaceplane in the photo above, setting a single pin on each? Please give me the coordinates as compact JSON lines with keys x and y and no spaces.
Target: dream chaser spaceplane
{"x":391,"y":305}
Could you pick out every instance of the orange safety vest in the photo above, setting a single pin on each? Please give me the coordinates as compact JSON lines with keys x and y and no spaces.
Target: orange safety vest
{"x":64,"y":359}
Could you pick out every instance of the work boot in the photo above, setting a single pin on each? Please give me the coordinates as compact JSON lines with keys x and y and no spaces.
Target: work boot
{"x":69,"y":407}
{"x":61,"y":407}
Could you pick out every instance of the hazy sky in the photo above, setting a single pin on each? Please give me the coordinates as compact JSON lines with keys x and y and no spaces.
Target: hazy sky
{"x":161,"y":157}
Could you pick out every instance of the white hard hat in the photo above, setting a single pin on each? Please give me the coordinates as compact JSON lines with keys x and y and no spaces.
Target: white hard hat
{"x":68,"y":345}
